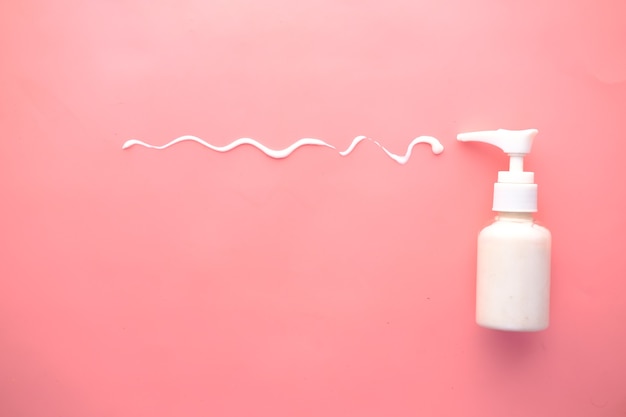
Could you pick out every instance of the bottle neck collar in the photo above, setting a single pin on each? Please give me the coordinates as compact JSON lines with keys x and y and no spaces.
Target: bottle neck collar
{"x":507,"y":215}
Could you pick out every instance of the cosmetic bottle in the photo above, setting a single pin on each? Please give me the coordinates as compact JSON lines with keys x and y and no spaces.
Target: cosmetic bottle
{"x":513,"y":268}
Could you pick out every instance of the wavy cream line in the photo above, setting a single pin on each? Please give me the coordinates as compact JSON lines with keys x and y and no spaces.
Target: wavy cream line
{"x":436,"y":146}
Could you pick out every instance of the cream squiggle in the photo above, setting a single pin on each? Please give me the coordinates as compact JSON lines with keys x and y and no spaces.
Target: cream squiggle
{"x":436,"y":146}
{"x":274,"y":153}
{"x":355,"y":142}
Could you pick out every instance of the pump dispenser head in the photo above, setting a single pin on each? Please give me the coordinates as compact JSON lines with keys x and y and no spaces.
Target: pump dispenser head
{"x":515,"y":190}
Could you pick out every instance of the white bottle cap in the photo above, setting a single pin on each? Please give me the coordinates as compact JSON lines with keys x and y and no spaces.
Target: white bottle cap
{"x":515,"y":190}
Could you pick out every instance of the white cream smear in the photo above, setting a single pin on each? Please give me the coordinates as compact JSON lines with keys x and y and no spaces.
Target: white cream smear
{"x":436,"y":146}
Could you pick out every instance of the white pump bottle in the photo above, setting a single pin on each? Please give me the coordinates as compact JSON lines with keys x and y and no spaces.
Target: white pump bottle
{"x":513,"y":274}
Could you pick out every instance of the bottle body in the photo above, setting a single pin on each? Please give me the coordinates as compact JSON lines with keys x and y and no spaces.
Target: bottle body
{"x":513,"y":274}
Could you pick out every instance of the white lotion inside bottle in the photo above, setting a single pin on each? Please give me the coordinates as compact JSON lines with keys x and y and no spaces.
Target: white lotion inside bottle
{"x":513,"y":274}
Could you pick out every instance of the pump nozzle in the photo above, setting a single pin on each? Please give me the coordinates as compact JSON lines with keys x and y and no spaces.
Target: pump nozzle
{"x":512,"y":142}
{"x":515,"y":190}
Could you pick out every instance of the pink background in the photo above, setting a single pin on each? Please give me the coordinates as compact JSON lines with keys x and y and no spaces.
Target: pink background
{"x":192,"y":283}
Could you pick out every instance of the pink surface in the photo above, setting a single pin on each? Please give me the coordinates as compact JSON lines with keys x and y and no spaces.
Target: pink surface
{"x":191,"y":283}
